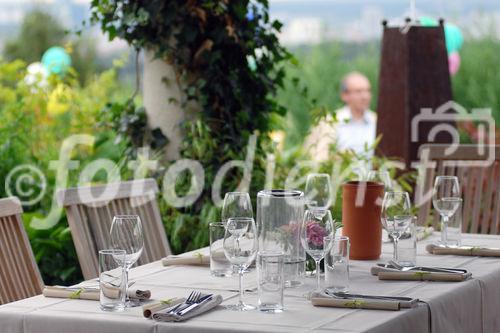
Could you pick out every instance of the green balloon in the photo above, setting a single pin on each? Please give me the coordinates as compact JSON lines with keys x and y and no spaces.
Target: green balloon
{"x":427,"y":21}
{"x":452,"y":34}
{"x":454,"y":38}
{"x":56,"y":60}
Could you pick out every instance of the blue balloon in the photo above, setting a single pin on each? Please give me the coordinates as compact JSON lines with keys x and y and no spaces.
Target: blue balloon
{"x":454,"y":38}
{"x":56,"y":60}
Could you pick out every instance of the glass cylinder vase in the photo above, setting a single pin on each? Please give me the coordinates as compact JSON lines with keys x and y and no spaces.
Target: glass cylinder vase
{"x":279,"y":216}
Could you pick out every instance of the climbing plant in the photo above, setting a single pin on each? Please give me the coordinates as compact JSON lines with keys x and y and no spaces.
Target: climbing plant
{"x":228,"y":60}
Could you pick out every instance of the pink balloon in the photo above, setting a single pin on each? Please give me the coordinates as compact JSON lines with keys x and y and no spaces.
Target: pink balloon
{"x":453,"y":62}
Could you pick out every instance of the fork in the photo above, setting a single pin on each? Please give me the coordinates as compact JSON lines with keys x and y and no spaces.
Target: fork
{"x":431,"y":269}
{"x":192,"y":298}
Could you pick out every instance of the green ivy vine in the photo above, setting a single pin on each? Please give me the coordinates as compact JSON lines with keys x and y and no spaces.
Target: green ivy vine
{"x":227,"y":57}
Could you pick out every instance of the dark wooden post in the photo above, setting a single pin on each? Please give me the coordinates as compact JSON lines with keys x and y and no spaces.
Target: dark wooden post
{"x":413,"y":75}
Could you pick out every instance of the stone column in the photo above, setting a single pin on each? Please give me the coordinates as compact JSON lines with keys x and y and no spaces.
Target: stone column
{"x":162,"y":100}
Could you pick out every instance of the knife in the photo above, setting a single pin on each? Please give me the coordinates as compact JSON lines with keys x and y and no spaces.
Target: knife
{"x":201,"y":301}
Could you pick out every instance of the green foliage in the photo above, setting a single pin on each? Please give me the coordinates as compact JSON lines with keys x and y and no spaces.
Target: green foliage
{"x":227,"y":59}
{"x":40,"y":31}
{"x":477,"y":83}
{"x":35,"y":120}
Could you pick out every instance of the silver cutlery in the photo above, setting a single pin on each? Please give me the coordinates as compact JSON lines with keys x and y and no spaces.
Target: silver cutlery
{"x":393,"y":264}
{"x":405,"y":302}
{"x":199,"y":302}
{"x":192,"y":298}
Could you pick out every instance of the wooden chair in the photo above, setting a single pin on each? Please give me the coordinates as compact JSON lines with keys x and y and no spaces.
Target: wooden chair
{"x":19,"y":274}
{"x":480,"y":185}
{"x":90,"y":211}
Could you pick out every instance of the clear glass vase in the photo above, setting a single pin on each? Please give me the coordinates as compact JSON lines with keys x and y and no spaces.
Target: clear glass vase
{"x":279,"y":216}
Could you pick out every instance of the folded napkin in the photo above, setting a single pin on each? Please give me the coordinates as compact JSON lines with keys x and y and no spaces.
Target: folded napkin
{"x":463,"y":250}
{"x":92,"y":293}
{"x":414,"y":275}
{"x":320,"y":299}
{"x":73,"y":293}
{"x":195,"y":259}
{"x":424,"y":232}
{"x":163,"y":315}
{"x":155,"y":306}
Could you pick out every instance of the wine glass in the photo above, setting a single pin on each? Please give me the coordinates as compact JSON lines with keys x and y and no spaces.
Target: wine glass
{"x":126,"y":234}
{"x":380,"y":176}
{"x":396,"y":216}
{"x":446,"y":200}
{"x":315,"y":227}
{"x":236,"y":204}
{"x":240,"y":248}
{"x":318,"y":192}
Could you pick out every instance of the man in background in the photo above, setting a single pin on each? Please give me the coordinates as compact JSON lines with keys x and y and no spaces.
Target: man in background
{"x":355,"y":124}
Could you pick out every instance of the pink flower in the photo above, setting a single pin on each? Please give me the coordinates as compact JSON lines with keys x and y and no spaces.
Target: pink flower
{"x":315,"y":233}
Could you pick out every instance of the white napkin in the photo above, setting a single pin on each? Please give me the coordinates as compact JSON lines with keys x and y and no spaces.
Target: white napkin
{"x":163,"y":315}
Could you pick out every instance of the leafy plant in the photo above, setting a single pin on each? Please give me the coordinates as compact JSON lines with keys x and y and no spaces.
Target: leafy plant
{"x":227,"y":59}
{"x":36,"y":118}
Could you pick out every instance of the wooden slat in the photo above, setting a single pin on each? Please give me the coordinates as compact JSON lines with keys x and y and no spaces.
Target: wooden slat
{"x":91,"y":221}
{"x":10,"y":206}
{"x":476,"y":201}
{"x":496,"y":204}
{"x":488,"y":197}
{"x":107,"y":192}
{"x":465,"y":152}
{"x":19,"y":274}
{"x":480,"y":184}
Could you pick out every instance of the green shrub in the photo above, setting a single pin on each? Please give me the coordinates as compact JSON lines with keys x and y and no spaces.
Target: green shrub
{"x":35,"y":120}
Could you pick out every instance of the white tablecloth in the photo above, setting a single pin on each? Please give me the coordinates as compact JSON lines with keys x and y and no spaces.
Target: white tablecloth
{"x":470,"y":306}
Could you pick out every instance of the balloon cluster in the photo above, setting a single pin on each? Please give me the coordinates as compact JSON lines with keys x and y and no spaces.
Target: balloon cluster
{"x":454,"y":41}
{"x":54,"y":61}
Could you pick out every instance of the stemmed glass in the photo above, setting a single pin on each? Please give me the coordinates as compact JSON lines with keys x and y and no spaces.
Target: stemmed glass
{"x":446,"y":200}
{"x":126,"y":234}
{"x":318,"y":192}
{"x":240,"y":248}
{"x":396,"y":216}
{"x":315,"y":227}
{"x":236,"y":204}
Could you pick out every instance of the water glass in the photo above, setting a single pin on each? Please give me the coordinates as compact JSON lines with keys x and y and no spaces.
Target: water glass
{"x":271,"y":281}
{"x":446,"y":201}
{"x":454,"y":227}
{"x":112,"y":279}
{"x":407,"y":246}
{"x":337,"y":264}
{"x":219,"y":265}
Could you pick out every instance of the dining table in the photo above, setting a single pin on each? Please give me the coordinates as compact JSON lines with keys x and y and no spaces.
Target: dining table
{"x":468,"y":306}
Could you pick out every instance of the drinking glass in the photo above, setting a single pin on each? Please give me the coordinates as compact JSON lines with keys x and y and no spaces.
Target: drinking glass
{"x":236,"y":204}
{"x":112,"y":284}
{"x":315,"y":227}
{"x":446,"y":200}
{"x":219,"y":265}
{"x":396,"y":216}
{"x":380,"y":176}
{"x":318,"y":192}
{"x":407,"y":245}
{"x":271,"y":279}
{"x":337,"y":263}
{"x":126,"y":234}
{"x":240,"y":248}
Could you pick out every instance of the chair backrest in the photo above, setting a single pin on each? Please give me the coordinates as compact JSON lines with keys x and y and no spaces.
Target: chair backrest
{"x":479,"y":181}
{"x":19,"y":274}
{"x":90,"y":211}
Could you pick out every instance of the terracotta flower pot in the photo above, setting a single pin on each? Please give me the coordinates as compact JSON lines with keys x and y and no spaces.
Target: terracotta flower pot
{"x":362,"y":222}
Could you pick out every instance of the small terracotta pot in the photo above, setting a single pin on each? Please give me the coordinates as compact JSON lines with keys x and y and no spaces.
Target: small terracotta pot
{"x":362,"y":223}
